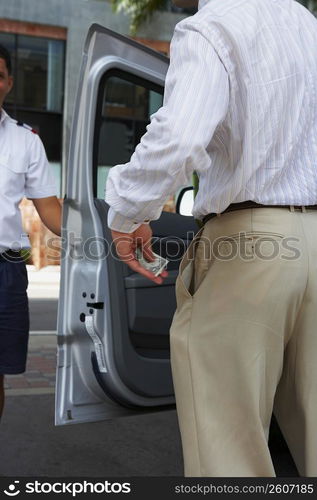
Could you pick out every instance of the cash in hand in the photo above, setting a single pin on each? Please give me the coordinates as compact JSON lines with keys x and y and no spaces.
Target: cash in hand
{"x":156,"y":267}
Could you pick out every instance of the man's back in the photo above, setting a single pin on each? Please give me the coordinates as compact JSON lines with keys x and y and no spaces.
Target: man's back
{"x":266,"y":148}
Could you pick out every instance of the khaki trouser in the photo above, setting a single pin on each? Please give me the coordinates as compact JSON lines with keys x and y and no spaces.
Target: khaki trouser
{"x":244,"y":342}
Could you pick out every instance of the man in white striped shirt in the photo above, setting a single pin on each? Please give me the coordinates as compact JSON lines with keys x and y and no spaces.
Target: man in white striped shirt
{"x":240,"y":108}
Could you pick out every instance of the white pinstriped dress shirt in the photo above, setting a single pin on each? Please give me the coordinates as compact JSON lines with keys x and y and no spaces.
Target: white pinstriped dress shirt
{"x":240,"y":108}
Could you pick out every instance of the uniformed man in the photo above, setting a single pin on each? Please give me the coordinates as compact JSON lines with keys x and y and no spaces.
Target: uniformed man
{"x":240,"y":108}
{"x":24,"y":171}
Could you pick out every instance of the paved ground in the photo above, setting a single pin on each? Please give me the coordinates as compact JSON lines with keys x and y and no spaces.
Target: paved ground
{"x":44,"y":283}
{"x":146,"y":445}
{"x":39,"y":377}
{"x":43,"y":315}
{"x":129,"y":446}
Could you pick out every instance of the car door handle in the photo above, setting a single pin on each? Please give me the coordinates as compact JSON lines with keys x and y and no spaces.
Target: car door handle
{"x":95,"y":305}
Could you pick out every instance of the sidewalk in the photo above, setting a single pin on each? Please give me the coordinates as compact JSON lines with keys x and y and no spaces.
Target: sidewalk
{"x":43,"y":284}
{"x":39,"y":377}
{"x":143,"y":445}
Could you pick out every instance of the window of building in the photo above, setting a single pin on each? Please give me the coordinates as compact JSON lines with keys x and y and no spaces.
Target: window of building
{"x":37,"y":95}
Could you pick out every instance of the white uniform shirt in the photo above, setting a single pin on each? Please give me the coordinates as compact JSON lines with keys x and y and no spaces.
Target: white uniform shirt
{"x":24,"y":171}
{"x":240,"y":108}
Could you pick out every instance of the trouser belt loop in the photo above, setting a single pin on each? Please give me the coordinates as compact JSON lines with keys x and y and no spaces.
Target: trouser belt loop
{"x":304,"y":209}
{"x":292,"y":208}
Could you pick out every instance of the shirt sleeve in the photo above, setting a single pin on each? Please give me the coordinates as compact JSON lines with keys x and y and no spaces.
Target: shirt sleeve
{"x":196,"y":100}
{"x":39,"y":180}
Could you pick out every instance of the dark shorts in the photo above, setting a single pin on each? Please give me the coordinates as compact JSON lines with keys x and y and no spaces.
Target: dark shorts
{"x":14,"y":316}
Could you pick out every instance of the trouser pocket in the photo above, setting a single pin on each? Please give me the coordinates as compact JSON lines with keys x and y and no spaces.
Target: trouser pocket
{"x":186,"y":283}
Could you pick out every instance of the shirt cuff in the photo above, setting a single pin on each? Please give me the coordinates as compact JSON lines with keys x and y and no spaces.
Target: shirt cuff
{"x":118,"y":222}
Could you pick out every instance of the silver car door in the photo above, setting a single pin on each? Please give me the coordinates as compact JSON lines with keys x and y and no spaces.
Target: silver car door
{"x":113,"y":324}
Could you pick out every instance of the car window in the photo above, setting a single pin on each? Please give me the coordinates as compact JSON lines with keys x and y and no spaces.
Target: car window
{"x":125,"y":104}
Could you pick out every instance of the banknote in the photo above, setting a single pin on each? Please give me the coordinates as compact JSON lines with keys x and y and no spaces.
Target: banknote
{"x":156,"y":267}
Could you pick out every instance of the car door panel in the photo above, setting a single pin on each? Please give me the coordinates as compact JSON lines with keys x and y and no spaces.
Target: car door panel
{"x":113,"y":324}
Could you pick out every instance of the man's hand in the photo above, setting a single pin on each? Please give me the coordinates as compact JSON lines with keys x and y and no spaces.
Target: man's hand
{"x":126,"y":244}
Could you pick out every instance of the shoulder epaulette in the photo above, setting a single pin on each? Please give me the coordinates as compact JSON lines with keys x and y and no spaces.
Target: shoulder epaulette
{"x":24,"y":125}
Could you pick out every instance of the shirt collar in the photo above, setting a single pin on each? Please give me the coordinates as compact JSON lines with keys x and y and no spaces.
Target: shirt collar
{"x":3,"y":116}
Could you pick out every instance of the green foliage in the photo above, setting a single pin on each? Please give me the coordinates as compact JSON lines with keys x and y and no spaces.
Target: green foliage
{"x":139,"y":10}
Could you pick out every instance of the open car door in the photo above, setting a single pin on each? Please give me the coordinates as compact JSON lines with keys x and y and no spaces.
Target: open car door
{"x":113,"y":324}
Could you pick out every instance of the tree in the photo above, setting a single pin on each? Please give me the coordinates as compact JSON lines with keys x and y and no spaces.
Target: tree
{"x":139,"y":10}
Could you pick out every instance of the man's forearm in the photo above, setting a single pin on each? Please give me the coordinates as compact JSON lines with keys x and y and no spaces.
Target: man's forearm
{"x":50,"y":212}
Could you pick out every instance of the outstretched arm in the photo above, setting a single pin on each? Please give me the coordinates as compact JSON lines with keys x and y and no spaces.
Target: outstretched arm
{"x":177,"y":140}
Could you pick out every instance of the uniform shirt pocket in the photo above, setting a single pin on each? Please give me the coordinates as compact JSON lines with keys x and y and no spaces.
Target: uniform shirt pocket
{"x":12,"y":176}
{"x":14,"y":163}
